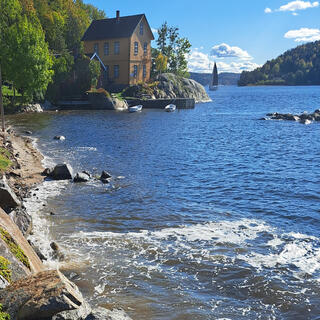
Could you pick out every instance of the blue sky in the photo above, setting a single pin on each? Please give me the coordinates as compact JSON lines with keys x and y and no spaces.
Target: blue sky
{"x":238,"y":34}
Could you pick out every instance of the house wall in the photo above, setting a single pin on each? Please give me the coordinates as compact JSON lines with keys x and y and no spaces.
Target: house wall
{"x":126,"y":59}
{"x":140,"y":59}
{"x":121,"y":59}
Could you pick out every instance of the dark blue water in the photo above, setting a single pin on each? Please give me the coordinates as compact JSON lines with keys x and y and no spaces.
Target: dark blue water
{"x":212,"y":213}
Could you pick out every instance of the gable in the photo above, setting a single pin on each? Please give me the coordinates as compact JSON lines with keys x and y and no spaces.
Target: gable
{"x":122,"y":27}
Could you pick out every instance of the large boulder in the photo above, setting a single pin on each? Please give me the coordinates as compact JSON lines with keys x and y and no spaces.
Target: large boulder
{"x":40,"y":296}
{"x":8,"y":199}
{"x":103,"y":100}
{"x":62,"y":172}
{"x":173,"y":86}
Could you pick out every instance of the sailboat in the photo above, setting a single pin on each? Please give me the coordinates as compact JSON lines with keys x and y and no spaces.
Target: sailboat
{"x":214,"y":79}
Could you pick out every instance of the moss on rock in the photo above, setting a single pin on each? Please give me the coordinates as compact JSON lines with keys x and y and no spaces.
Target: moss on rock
{"x":5,"y":272}
{"x":14,"y":248}
{"x":3,"y":315}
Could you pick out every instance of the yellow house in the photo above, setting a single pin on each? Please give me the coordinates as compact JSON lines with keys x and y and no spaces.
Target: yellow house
{"x":123,"y":45}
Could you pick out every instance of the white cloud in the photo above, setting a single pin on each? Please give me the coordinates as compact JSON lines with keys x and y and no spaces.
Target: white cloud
{"x":295,"y":6}
{"x":223,"y":50}
{"x":203,"y":63}
{"x":303,"y":35}
{"x":295,"y":14}
{"x":298,"y":5}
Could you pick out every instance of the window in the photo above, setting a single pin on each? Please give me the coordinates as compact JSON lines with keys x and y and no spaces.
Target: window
{"x":141,"y":28}
{"x":145,"y":48}
{"x":116,"y":71}
{"x":106,"y":48}
{"x":96,"y":48}
{"x":136,"y":48}
{"x":117,"y":47}
{"x":144,"y":71}
{"x":135,"y":70}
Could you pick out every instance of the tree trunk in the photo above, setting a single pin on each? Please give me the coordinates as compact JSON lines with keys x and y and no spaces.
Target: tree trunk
{"x":1,"y":104}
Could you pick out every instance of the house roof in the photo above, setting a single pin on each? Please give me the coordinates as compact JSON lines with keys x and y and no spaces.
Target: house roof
{"x":122,"y":27}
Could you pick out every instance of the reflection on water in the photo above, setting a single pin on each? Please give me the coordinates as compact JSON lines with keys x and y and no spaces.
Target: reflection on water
{"x":215,"y":214}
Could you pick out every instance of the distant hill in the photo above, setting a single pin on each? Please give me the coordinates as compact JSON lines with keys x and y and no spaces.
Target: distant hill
{"x":298,"y":66}
{"x":225,"y":78}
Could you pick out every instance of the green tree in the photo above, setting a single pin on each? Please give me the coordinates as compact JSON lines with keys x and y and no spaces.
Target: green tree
{"x":95,"y":71}
{"x":175,"y":48}
{"x":26,"y":59}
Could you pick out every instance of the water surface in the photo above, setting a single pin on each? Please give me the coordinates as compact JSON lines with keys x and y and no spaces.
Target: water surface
{"x":212,"y":214}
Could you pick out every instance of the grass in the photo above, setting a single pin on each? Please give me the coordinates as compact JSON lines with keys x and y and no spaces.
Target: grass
{"x":5,"y":162}
{"x":5,"y":272}
{"x":3,"y":315}
{"x":117,"y":95}
{"x":14,"y":248}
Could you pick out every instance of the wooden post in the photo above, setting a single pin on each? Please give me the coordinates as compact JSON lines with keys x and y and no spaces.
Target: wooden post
{"x":1,"y":104}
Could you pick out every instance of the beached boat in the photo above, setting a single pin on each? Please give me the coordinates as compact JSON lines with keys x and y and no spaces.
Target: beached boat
{"x":170,"y":108}
{"x":135,"y":108}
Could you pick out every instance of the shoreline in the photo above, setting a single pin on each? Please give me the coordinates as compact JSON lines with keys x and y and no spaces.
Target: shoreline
{"x":25,"y":178}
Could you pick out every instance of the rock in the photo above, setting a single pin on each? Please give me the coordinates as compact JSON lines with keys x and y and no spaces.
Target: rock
{"x":31,"y":108}
{"x":3,"y":282}
{"x":47,"y":171}
{"x":119,"y":104}
{"x":264,"y":118}
{"x":41,"y":256}
{"x":81,"y":177}
{"x":173,"y":86}
{"x":61,"y":172}
{"x":8,"y":199}
{"x":27,"y":261}
{"x":61,"y":138}
{"x":80,"y":313}
{"x":40,"y":296}
{"x":305,"y":121}
{"x":104,"y":314}
{"x":296,"y":118}
{"x":22,"y":219}
{"x":28,"y":132}
{"x":57,"y":254}
{"x":105,"y":177}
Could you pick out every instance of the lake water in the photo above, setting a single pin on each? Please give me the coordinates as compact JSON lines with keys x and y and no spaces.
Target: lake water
{"x":212,"y":214}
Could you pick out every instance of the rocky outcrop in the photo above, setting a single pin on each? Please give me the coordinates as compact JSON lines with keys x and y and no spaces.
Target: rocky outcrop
{"x":8,"y":199}
{"x":40,"y":296}
{"x":81,"y":177}
{"x":173,"y":86}
{"x":31,"y":108}
{"x":15,"y":248}
{"x":304,"y":118}
{"x":100,"y":100}
{"x":61,"y":172}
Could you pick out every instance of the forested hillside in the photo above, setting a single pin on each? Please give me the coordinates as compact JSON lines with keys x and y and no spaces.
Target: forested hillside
{"x":299,"y":66}
{"x":40,"y":47}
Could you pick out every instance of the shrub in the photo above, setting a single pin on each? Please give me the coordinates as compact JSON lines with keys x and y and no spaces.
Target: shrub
{"x":3,"y":315}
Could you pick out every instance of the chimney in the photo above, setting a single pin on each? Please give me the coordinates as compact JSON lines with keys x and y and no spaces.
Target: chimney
{"x":118,"y":15}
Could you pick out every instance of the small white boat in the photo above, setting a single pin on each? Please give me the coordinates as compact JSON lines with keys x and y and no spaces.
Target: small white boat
{"x":135,"y":108}
{"x":170,"y":108}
